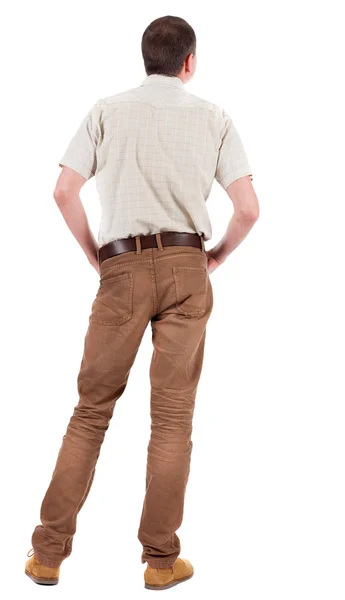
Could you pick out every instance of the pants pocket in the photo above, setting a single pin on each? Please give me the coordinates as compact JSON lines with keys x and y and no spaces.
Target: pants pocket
{"x":113,"y":304}
{"x":191,"y":290}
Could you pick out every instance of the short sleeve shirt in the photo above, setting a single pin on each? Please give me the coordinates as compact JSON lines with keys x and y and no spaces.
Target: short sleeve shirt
{"x":155,"y":151}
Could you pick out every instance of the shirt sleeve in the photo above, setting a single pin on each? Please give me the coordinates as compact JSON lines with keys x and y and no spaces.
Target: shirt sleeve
{"x":232,"y":159}
{"x":80,"y":154}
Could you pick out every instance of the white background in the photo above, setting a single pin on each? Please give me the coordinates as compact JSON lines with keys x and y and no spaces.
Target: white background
{"x":264,"y":515}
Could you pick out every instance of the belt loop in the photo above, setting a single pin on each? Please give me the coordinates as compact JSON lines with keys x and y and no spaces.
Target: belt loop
{"x":159,"y":241}
{"x":138,"y":244}
{"x":202,"y":243}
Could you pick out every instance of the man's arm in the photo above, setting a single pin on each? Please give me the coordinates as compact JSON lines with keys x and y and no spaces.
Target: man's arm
{"x":66,"y":195}
{"x":246,"y":213}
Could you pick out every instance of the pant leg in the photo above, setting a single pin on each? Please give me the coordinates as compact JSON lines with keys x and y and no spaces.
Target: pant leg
{"x":119,"y":316}
{"x":179,"y":332}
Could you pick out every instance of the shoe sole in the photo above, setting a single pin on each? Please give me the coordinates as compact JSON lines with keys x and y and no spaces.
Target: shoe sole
{"x":40,"y":581}
{"x":169,"y":585}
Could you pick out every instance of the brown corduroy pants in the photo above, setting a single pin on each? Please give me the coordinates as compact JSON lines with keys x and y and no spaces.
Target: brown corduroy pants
{"x":169,"y":287}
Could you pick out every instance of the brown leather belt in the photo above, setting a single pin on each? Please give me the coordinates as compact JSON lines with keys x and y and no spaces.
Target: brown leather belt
{"x":141,"y":242}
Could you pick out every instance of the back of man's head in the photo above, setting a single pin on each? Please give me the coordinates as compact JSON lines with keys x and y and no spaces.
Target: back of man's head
{"x":165,"y":45}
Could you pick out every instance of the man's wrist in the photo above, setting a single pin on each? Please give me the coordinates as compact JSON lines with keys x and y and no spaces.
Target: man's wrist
{"x":218,"y":255}
{"x":94,"y":260}
{"x":93,"y":256}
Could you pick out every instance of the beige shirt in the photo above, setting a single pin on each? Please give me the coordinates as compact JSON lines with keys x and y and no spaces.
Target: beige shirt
{"x":155,"y":151}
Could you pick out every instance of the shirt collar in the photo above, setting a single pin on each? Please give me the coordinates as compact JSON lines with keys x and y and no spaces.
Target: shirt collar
{"x":163,"y":80}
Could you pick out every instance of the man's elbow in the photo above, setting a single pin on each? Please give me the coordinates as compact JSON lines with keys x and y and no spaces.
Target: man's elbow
{"x":62,"y":195}
{"x":249,"y":214}
{"x":68,"y":186}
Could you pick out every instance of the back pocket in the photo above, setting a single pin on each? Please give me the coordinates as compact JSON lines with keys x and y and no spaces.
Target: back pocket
{"x":191,"y":290}
{"x":113,"y":304}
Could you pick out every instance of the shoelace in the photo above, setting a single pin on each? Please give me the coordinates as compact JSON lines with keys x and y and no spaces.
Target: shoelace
{"x":32,"y":553}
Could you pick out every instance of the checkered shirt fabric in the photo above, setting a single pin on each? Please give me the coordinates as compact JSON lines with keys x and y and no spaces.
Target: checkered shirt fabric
{"x":155,"y":151}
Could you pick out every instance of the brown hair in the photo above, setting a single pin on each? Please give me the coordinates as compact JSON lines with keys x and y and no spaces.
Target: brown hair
{"x":165,"y":44}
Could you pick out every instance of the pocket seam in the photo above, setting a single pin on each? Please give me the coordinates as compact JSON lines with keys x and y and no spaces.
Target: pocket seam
{"x":121,"y":276}
{"x":128,"y":316}
{"x":197,"y":312}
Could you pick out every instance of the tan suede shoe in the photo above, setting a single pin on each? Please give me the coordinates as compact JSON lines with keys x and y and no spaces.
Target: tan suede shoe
{"x":40,"y":573}
{"x":162,"y":579}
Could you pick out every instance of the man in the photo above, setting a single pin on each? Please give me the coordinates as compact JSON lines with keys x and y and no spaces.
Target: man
{"x":154,"y":151}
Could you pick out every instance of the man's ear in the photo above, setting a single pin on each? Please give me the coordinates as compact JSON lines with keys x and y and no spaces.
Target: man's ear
{"x":188,"y":63}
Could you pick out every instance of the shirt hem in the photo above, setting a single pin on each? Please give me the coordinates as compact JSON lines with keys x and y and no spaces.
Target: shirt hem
{"x":80,"y":169}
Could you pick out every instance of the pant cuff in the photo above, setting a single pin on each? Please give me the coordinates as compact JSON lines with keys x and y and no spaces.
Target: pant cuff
{"x":47,"y":562}
{"x":159,"y":563}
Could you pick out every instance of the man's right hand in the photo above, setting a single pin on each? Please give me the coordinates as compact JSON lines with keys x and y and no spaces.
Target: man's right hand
{"x":212,"y":262}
